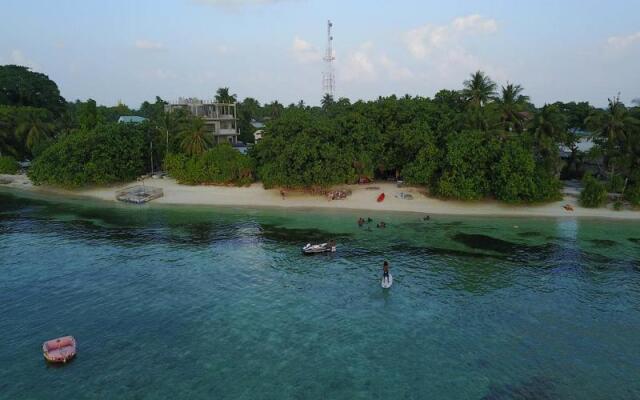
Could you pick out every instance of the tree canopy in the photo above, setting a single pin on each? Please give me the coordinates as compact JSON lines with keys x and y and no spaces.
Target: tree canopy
{"x":21,"y":87}
{"x":481,"y":141}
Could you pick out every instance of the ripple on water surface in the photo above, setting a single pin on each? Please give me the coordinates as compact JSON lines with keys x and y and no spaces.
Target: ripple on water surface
{"x":220,"y":303}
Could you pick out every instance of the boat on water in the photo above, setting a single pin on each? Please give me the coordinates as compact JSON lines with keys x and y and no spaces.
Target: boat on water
{"x":319,"y":248}
{"x":59,"y":350}
{"x":381,"y":198}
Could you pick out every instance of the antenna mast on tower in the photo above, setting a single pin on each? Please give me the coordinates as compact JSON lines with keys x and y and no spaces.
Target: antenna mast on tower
{"x":328,"y":76}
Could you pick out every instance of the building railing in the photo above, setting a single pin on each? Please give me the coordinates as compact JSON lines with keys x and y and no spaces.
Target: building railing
{"x":226,"y":131}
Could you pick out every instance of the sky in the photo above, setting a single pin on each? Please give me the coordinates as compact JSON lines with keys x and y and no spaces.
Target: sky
{"x":130,"y":51}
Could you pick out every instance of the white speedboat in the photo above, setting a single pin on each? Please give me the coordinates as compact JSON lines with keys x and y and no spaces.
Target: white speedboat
{"x":319,"y":248}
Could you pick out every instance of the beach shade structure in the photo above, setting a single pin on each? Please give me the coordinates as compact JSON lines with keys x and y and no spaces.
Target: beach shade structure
{"x":139,"y":194}
{"x":59,"y":350}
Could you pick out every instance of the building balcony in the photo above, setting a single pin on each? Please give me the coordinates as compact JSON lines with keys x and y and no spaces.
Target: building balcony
{"x":226,"y":131}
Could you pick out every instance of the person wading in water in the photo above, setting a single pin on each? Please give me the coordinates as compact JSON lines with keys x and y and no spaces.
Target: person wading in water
{"x":385,"y":271}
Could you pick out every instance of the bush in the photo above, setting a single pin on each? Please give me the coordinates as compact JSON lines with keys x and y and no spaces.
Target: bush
{"x":616,"y":184}
{"x":632,"y":194}
{"x":108,"y":154}
{"x":220,"y":165}
{"x":617,"y":205}
{"x":8,"y":165}
{"x":593,"y":194}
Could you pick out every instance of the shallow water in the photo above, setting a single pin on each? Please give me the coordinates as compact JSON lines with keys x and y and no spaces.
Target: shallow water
{"x":205,"y":303}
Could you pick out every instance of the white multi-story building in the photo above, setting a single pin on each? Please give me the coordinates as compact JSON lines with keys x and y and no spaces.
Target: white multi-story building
{"x":221,"y":119}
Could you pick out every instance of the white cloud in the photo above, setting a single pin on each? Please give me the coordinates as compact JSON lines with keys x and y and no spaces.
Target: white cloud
{"x":304,"y":52}
{"x":622,"y":42}
{"x":144,"y":44}
{"x":395,"y":72}
{"x":423,"y":40}
{"x":359,"y":65}
{"x":475,"y":23}
{"x":443,"y":51}
{"x":17,"y":57}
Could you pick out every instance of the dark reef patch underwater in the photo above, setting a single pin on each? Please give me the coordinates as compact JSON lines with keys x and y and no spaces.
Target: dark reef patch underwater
{"x":201,"y":303}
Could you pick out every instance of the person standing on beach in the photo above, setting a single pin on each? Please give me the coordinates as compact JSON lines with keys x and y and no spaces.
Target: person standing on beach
{"x":385,"y":271}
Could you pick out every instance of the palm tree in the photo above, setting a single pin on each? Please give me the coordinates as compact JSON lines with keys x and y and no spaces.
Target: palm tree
{"x":479,"y":89}
{"x":549,"y":130}
{"x":275,"y":109}
{"x":34,"y":130}
{"x":327,"y":101}
{"x":548,"y":124}
{"x":511,"y":105}
{"x":223,"y":96}
{"x":6,"y":137}
{"x":613,"y":129}
{"x":196,"y":138}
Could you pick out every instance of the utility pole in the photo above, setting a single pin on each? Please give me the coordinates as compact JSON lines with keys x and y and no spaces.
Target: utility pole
{"x":328,"y":76}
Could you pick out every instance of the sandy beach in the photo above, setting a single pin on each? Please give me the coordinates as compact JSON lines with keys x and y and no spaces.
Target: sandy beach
{"x":363,"y":197}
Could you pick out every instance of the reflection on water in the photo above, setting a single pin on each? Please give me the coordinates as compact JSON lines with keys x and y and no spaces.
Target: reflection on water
{"x":220,"y":303}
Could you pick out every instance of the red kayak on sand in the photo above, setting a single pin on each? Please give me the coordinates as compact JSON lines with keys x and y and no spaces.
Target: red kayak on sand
{"x":381,"y":198}
{"x":59,"y":350}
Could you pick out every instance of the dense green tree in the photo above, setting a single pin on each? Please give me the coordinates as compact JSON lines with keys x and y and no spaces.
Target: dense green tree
{"x":87,"y":114}
{"x":516,"y":176}
{"x":21,"y":87}
{"x":248,"y":110}
{"x":110,"y":153}
{"x":7,"y":133}
{"x":303,"y":150}
{"x":465,"y":173}
{"x":153,"y":111}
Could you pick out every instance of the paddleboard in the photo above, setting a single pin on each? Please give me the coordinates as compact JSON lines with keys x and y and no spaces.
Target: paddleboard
{"x":386,"y":284}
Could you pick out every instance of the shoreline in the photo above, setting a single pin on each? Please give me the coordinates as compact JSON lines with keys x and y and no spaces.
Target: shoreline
{"x":361,"y":199}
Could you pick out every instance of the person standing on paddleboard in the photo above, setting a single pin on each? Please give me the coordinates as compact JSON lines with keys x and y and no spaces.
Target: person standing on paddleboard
{"x":385,"y":271}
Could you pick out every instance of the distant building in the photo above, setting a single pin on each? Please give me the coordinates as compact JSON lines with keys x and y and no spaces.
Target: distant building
{"x":133,"y":119}
{"x":241,"y":147}
{"x":221,"y":119}
{"x":259,"y":130}
{"x":584,"y":145}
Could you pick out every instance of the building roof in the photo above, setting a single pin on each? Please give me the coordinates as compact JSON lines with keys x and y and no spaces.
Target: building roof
{"x":257,"y":124}
{"x":131,"y":119}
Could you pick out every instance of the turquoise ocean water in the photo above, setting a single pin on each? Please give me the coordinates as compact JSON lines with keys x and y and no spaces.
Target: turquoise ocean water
{"x":219,"y":303}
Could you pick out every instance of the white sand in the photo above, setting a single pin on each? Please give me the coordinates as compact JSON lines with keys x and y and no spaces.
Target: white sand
{"x":361,"y":199}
